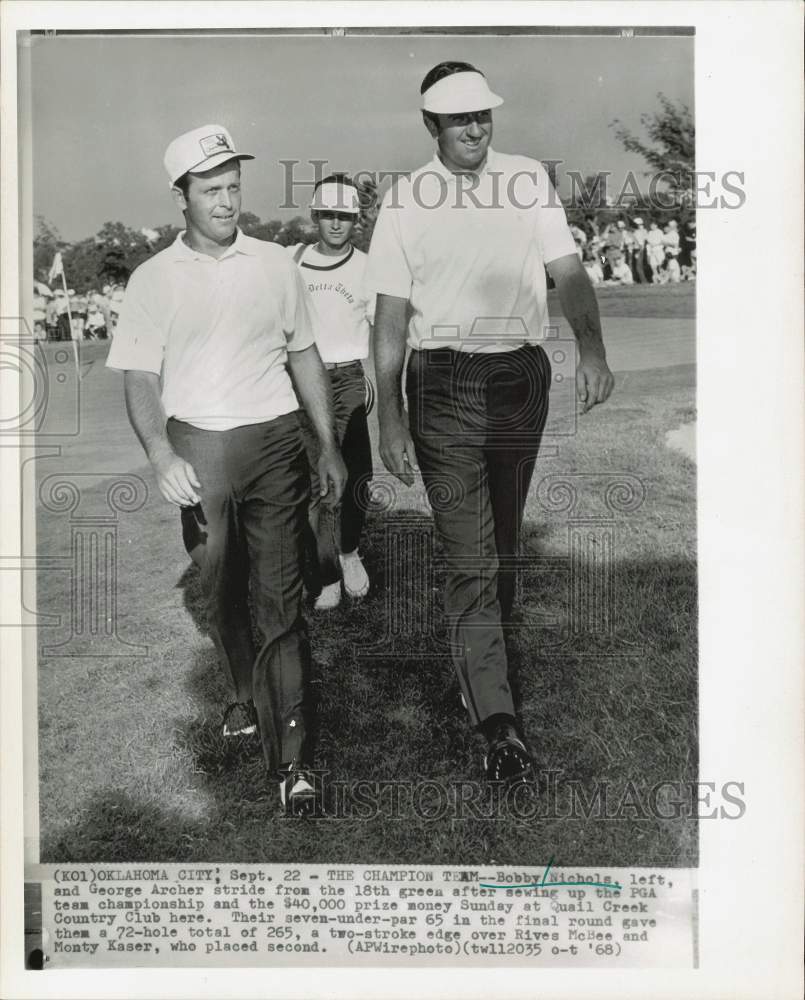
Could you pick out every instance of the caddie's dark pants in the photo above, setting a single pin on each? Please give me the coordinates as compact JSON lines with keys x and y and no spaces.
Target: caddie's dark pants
{"x":476,"y":422}
{"x":247,"y":538}
{"x":639,"y":265}
{"x":338,"y":529}
{"x":63,"y":327}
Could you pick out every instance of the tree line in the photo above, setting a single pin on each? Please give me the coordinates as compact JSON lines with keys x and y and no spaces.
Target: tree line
{"x":110,"y":256}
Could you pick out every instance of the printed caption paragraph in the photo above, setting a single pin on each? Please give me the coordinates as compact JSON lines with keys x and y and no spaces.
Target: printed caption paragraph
{"x":221,"y":914}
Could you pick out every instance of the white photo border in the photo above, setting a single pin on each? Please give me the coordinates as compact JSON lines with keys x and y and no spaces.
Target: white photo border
{"x":750,"y":504}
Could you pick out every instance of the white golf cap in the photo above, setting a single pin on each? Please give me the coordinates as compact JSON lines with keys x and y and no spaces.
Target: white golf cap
{"x":202,"y":149}
{"x":638,"y":221}
{"x":460,"y":92}
{"x":333,"y":196}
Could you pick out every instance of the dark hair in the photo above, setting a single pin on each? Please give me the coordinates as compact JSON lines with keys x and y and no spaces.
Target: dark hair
{"x":439,"y":73}
{"x":445,"y":69}
{"x":335,"y":179}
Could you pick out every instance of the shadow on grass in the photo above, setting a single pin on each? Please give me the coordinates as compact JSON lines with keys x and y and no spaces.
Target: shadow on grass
{"x":190,"y":585}
{"x":615,"y":709}
{"x":116,"y":826}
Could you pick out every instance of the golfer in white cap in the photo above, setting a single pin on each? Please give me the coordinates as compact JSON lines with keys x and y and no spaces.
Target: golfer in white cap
{"x":639,"y":257}
{"x":333,"y":271}
{"x":208,"y":332}
{"x":463,"y":244}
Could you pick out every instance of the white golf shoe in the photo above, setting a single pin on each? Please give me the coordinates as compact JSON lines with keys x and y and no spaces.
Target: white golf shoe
{"x":356,"y":579}
{"x":329,"y":598}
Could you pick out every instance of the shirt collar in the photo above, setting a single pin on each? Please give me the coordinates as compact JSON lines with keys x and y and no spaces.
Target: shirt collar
{"x":181,"y":251}
{"x":438,"y":167}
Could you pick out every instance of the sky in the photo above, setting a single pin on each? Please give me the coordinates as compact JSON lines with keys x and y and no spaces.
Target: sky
{"x":104,"y":108}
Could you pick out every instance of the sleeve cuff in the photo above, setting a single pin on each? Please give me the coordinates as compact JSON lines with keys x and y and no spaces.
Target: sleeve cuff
{"x":119,"y":362}
{"x":297,"y":343}
{"x":399,"y":292}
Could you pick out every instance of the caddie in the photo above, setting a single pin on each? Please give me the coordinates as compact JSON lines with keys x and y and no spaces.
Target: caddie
{"x":207,"y":334}
{"x":463,"y":243}
{"x":332,"y":270}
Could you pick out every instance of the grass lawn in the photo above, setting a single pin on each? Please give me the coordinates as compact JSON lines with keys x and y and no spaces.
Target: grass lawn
{"x":644,"y":301}
{"x":133,"y":767}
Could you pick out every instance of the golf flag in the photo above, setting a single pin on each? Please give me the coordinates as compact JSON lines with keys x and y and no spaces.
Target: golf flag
{"x":56,"y":269}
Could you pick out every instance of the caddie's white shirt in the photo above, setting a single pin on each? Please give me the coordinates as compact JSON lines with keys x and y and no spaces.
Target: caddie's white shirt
{"x":470,"y":260}
{"x":338,"y":304}
{"x":671,"y":241}
{"x":216,"y":330}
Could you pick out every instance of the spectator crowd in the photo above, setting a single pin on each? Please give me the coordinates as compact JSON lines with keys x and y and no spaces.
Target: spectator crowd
{"x":626,"y":253}
{"x":93,"y":315}
{"x":621,"y":252}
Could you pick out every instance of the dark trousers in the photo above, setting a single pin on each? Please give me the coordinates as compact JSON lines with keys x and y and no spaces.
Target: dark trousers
{"x":246,"y":536}
{"x":476,"y":422}
{"x":639,"y":265}
{"x":63,"y":327}
{"x":338,"y":529}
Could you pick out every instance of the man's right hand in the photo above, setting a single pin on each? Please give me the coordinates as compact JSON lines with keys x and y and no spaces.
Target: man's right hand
{"x":332,"y":475}
{"x":397,"y":450}
{"x":177,"y":480}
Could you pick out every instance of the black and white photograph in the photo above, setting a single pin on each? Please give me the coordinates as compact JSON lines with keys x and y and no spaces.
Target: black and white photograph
{"x":490,"y":579}
{"x":399,"y":556}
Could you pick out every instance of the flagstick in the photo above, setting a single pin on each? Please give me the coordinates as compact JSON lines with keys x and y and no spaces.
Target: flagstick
{"x":70,"y":320}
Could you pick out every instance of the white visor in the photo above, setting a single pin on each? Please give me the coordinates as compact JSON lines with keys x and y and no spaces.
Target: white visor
{"x":334,"y":197}
{"x":460,"y":92}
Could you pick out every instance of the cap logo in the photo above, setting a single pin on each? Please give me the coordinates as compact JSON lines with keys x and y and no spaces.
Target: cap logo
{"x":212,"y":144}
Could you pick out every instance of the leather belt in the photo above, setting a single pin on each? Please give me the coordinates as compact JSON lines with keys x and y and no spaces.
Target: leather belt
{"x":330,"y":365}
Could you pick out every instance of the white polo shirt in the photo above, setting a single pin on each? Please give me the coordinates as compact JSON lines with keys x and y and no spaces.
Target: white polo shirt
{"x":622,"y":273}
{"x":216,"y":330}
{"x":339,"y":308}
{"x":469,"y":253}
{"x":670,"y":240}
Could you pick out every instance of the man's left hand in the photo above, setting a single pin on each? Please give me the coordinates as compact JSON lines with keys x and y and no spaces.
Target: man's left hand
{"x":594,"y":381}
{"x":332,"y":474}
